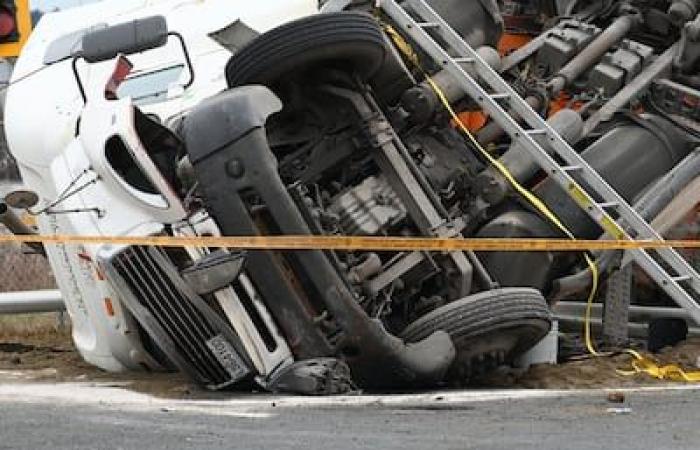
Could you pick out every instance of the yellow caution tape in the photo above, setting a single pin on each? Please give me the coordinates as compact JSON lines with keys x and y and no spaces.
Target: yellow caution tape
{"x":641,"y":364}
{"x":353,"y":243}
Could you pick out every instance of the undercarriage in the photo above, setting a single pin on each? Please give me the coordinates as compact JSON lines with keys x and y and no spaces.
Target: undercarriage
{"x":350,"y":154}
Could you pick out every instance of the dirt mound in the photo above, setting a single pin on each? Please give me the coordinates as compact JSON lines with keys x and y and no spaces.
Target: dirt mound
{"x":36,"y":352}
{"x":52,"y":357}
{"x":37,"y":326}
{"x":592,"y":372}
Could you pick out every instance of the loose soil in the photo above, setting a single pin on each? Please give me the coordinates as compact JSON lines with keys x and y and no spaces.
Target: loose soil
{"x":589,"y":372}
{"x":47,"y":355}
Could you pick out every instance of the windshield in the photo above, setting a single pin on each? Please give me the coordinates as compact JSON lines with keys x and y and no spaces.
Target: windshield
{"x":150,"y":87}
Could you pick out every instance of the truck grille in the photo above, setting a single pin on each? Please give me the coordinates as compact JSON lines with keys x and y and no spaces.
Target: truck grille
{"x":184,"y":326}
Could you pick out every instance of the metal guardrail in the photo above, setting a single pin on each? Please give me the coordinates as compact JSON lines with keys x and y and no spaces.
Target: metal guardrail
{"x":30,"y":302}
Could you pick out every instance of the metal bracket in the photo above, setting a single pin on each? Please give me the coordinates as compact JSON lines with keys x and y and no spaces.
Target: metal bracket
{"x":616,"y":311}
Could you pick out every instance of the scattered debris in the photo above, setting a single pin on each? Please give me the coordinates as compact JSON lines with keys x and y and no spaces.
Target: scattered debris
{"x":616,"y":397}
{"x":619,"y":411}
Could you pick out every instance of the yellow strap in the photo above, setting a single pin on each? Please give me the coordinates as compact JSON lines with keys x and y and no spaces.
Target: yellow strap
{"x":412,"y":56}
{"x":669,"y":372}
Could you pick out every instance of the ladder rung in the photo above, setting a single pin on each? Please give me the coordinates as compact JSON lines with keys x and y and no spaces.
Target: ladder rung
{"x":682,"y":278}
{"x":537,"y":132}
{"x":503,"y":96}
{"x":609,"y":205}
{"x":571,"y":168}
{"x":464,"y":60}
{"x":429,"y":25}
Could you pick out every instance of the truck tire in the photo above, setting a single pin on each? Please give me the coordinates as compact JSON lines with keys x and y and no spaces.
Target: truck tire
{"x":348,"y":40}
{"x":488,"y":329}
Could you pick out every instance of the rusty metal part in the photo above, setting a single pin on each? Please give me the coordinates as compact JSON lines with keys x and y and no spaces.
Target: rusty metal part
{"x":16,"y":226}
{"x":574,"y":68}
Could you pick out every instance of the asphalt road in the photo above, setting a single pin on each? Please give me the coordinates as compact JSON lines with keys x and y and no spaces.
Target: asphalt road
{"x":75,"y":416}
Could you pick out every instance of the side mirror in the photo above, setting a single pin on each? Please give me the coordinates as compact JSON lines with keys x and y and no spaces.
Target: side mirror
{"x":126,"y":38}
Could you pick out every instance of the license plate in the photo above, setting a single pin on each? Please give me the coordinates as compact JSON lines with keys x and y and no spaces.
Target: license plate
{"x":228,"y":357}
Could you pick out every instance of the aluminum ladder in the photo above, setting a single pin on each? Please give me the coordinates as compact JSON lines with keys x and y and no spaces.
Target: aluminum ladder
{"x":417,"y":20}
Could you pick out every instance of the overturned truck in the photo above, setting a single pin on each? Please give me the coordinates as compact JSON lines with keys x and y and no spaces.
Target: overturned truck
{"x":297,"y":118}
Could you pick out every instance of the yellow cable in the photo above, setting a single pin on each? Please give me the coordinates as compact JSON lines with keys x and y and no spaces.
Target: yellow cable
{"x":536,"y":202}
{"x":408,"y":51}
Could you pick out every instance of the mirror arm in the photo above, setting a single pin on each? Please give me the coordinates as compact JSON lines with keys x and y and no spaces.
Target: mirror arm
{"x":190,"y":67}
{"x":81,"y":88}
{"x":188,"y":60}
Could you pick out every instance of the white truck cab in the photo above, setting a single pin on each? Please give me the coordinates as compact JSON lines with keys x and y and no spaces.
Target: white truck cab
{"x":69,"y":146}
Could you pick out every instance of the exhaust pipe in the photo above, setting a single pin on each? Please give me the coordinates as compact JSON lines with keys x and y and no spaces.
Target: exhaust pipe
{"x":16,"y":226}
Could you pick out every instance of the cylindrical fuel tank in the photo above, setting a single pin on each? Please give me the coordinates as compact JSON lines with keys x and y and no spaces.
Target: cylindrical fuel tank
{"x":629,"y":157}
{"x":518,"y":269}
{"x":494,"y":187}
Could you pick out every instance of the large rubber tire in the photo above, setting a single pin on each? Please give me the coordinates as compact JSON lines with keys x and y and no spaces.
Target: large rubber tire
{"x":348,"y":40}
{"x":488,"y":329}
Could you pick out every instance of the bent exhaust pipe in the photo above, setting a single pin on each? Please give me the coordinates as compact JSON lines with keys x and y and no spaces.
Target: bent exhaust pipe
{"x":16,"y":226}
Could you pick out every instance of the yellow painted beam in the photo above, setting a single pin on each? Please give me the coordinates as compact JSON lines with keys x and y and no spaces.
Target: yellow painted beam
{"x":24,"y":25}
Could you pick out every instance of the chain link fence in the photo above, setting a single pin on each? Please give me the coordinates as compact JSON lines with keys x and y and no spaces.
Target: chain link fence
{"x":21,"y":271}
